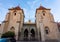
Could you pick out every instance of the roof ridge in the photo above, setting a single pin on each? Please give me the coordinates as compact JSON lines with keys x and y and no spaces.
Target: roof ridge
{"x":15,"y":8}
{"x":42,"y":8}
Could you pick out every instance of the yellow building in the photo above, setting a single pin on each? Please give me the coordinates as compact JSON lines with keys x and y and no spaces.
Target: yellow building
{"x":43,"y":29}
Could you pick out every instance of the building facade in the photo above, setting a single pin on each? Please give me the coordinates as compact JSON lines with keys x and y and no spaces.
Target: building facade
{"x":43,"y":29}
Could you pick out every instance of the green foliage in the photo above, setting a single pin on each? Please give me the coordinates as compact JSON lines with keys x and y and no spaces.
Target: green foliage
{"x":8,"y":34}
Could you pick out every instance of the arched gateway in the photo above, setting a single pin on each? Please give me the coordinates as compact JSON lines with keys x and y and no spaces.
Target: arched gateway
{"x":32,"y":34}
{"x":26,"y":34}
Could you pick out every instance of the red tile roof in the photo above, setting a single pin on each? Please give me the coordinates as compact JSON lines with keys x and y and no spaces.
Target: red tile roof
{"x":15,"y":8}
{"x":42,"y":8}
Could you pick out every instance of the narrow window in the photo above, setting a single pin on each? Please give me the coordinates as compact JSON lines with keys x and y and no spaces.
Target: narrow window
{"x":46,"y":30}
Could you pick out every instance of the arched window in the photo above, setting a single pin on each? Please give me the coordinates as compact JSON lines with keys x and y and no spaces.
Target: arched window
{"x":46,"y":30}
{"x":32,"y":33}
{"x":12,"y":29}
{"x":25,"y":33}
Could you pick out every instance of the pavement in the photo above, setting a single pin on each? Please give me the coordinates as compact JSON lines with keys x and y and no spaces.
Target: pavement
{"x":28,"y":41}
{"x":39,"y":41}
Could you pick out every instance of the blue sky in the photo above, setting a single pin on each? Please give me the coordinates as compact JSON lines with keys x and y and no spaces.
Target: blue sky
{"x":29,"y":7}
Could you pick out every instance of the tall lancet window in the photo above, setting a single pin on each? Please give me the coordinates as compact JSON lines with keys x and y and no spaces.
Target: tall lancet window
{"x":46,"y":30}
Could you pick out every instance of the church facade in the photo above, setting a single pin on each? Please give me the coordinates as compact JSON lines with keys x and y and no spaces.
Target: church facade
{"x":43,"y":29}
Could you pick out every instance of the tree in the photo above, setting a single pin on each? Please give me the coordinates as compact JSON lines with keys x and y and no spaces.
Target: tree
{"x":8,"y":34}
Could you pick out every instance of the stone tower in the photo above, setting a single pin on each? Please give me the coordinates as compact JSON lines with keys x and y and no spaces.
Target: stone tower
{"x":46,"y":24}
{"x":14,"y":20}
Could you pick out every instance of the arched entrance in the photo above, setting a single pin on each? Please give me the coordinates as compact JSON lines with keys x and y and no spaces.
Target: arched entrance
{"x":26,"y":34}
{"x":32,"y":34}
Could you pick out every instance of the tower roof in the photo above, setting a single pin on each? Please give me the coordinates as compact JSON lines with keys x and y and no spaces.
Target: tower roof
{"x":15,"y":8}
{"x":42,"y":8}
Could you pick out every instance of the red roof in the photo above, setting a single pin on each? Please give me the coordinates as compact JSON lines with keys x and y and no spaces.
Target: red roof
{"x":42,"y":8}
{"x":15,"y":8}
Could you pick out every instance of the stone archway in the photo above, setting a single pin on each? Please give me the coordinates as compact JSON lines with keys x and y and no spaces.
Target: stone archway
{"x":25,"y":34}
{"x":32,"y":34}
